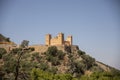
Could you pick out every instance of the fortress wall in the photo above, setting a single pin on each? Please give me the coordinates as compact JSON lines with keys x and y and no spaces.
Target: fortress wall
{"x":8,"y":47}
{"x":54,"y":41}
{"x":48,"y":38}
{"x":66,"y":42}
{"x":43,"y":48}
{"x":40,"y":48}
{"x":69,"y":39}
{"x":58,"y":40}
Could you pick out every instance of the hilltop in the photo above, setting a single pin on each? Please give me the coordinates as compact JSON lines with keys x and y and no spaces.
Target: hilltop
{"x":6,"y":43}
{"x":4,"y":39}
{"x":56,"y":62}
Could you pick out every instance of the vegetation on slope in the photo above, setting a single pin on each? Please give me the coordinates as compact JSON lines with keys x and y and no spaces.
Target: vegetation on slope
{"x":53,"y":64}
{"x":4,"y":39}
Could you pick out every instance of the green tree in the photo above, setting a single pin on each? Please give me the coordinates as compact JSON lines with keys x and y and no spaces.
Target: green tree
{"x":8,"y":39}
{"x":80,"y":52}
{"x":67,"y":48}
{"x":89,"y":61}
{"x":37,"y":74}
{"x":53,"y":69}
{"x":15,"y":51}
{"x":63,"y":77}
{"x":9,"y":63}
{"x":60,"y":54}
{"x":2,"y":52}
{"x":52,"y":51}
{"x":44,"y":66}
{"x":24,"y":43}
{"x":77,"y":68}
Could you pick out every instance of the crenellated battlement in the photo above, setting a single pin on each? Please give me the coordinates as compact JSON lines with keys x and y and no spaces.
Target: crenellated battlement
{"x":58,"y":40}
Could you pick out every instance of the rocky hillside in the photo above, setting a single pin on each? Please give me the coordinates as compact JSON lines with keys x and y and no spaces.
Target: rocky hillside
{"x":6,"y":43}
{"x":70,"y":60}
{"x":40,"y":62}
{"x":4,"y":39}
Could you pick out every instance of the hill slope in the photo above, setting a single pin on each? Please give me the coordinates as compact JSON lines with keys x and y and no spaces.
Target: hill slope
{"x":4,"y":39}
{"x":53,"y":63}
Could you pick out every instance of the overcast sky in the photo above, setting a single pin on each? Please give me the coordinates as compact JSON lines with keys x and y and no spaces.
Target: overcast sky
{"x":94,"y":24}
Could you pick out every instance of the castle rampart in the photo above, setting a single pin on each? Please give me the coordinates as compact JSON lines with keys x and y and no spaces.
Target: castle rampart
{"x":58,"y":40}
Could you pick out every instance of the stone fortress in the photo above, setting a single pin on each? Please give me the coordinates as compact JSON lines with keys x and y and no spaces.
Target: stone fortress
{"x":58,"y":40}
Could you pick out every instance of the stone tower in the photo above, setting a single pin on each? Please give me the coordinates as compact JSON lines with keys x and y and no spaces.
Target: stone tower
{"x":69,"y":39}
{"x":48,"y":38}
{"x":61,"y":38}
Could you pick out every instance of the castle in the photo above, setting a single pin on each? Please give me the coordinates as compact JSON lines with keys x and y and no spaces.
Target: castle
{"x":58,"y":40}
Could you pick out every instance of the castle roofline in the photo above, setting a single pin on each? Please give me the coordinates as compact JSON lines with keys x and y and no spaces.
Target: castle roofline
{"x":58,"y":40}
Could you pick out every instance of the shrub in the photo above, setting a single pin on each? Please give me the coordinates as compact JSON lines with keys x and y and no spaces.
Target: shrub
{"x":32,"y":48}
{"x":24,"y":43}
{"x":53,"y":70}
{"x":53,"y":60}
{"x":44,"y":66}
{"x":35,"y":54}
{"x":80,"y":52}
{"x":52,"y":51}
{"x":60,"y":54}
{"x":0,"y":56}
{"x":38,"y":74}
{"x":2,"y":51}
{"x":16,"y":50}
{"x":89,"y":61}
{"x":67,"y":48}
{"x":78,"y":68}
{"x":10,"y":64}
{"x":63,"y":77}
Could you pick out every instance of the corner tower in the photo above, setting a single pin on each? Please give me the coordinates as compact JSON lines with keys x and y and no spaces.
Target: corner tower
{"x":48,"y":38}
{"x":69,"y":39}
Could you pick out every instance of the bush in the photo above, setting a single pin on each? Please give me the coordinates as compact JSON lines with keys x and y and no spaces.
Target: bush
{"x":67,"y":49}
{"x":52,"y":51}
{"x":24,"y":43}
{"x":2,"y":52}
{"x":0,"y":56}
{"x":89,"y":61}
{"x":16,"y":50}
{"x":101,"y":76}
{"x":80,"y":52}
{"x":54,"y":55}
{"x":60,"y":54}
{"x":53,"y":70}
{"x":78,"y":68}
{"x":38,"y":74}
{"x":24,"y":65}
{"x":35,"y":54}
{"x":53,"y":60}
{"x":9,"y":64}
{"x":44,"y":66}
{"x":63,"y":77}
{"x":32,"y":49}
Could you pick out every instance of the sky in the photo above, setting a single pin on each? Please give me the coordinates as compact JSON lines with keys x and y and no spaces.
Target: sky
{"x":94,"y":24}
